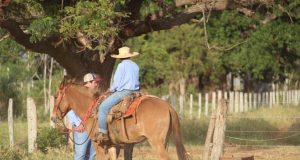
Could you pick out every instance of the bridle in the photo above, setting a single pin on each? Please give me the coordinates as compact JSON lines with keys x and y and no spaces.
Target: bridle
{"x":65,"y":130}
{"x":61,"y":94}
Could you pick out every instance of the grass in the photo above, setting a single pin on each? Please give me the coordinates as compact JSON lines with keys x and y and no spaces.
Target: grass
{"x":281,"y":119}
{"x":276,"y":126}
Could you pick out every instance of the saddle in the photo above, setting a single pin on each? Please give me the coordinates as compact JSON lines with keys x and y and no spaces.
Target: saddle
{"x":124,"y":108}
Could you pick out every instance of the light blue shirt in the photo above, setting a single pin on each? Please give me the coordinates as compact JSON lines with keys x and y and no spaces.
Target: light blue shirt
{"x":73,"y":118}
{"x":126,"y":76}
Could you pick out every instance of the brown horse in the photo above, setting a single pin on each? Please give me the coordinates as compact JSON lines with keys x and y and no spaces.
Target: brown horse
{"x":154,"y":120}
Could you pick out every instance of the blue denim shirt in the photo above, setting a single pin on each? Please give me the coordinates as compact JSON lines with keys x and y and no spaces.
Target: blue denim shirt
{"x":73,"y":118}
{"x":126,"y":76}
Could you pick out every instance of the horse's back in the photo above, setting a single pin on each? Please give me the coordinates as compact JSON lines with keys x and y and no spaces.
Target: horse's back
{"x":153,"y":107}
{"x":151,"y":118}
{"x":153,"y":114}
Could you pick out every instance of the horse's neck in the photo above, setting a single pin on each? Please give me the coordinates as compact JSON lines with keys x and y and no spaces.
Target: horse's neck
{"x":81,"y":98}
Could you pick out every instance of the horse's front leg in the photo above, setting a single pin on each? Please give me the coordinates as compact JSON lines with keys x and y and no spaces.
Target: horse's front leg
{"x":102,"y":154}
{"x":112,"y":152}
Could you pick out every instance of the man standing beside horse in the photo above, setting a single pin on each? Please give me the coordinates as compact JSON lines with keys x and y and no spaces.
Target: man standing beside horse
{"x":83,"y":148}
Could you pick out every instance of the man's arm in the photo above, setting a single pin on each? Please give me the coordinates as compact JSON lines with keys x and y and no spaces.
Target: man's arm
{"x":117,"y":77}
{"x":73,"y":118}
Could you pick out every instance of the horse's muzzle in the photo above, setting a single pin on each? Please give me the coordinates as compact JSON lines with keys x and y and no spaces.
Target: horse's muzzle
{"x":54,"y":119}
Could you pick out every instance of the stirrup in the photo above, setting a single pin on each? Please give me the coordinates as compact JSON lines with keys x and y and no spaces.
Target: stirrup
{"x":101,"y":137}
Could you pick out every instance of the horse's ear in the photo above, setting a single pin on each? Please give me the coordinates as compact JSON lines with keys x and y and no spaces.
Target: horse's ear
{"x":64,"y":82}
{"x":68,"y":79}
{"x":77,"y":80}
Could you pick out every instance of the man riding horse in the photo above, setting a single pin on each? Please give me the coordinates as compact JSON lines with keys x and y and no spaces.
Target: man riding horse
{"x":125,"y":81}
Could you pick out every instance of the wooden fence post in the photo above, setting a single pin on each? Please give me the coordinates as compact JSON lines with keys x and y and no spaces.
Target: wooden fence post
{"x":208,"y":144}
{"x":219,"y":133}
{"x":226,"y":95}
{"x":250,"y":102}
{"x":181,"y":111}
{"x":219,"y":97}
{"x":246,"y":102}
{"x":259,"y":99}
{"x":231,"y":102}
{"x":255,"y":101}
{"x":236,"y":101}
{"x":32,"y":126}
{"x":10,"y":122}
{"x":277,"y":97}
{"x":191,"y":106}
{"x":206,"y":104}
{"x":213,"y":103}
{"x":241,"y":102}
{"x":199,"y":104}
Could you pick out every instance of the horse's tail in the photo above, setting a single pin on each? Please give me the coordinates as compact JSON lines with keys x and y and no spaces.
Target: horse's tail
{"x":176,"y":135}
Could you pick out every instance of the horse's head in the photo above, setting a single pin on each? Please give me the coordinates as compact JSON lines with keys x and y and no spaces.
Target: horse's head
{"x":61,"y":104}
{"x":70,"y":95}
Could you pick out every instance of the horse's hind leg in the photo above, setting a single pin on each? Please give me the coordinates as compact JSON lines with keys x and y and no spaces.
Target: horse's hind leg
{"x":160,"y":148}
{"x":128,"y":150}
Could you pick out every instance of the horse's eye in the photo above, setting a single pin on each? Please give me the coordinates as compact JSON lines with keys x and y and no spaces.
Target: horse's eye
{"x":55,"y":97}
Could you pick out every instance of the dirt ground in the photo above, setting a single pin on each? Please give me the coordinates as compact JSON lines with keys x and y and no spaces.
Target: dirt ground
{"x":231,"y":152}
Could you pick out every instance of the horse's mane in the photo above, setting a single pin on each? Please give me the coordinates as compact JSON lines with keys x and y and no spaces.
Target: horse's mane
{"x":79,"y":86}
{"x":84,"y":90}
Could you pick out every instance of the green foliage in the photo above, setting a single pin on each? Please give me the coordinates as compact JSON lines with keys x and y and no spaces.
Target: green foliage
{"x":246,"y":45}
{"x":42,"y":28}
{"x":20,"y":76}
{"x":25,"y":9}
{"x":229,"y":28}
{"x":279,"y":45}
{"x":148,"y":7}
{"x":11,"y":74}
{"x":170,"y":55}
{"x":49,"y":137}
{"x":92,"y":18}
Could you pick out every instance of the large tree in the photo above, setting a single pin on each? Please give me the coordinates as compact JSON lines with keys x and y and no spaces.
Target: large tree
{"x":80,"y":35}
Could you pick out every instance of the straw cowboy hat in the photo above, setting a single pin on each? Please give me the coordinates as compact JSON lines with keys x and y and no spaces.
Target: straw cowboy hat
{"x":124,"y":52}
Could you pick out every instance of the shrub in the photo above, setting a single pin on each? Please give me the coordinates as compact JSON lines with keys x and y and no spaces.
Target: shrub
{"x":50,"y":137}
{"x":8,"y":153}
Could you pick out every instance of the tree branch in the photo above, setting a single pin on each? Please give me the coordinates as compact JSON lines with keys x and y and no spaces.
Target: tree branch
{"x":4,"y":37}
{"x":144,"y":27}
{"x":61,"y":53}
{"x":243,"y":3}
{"x":22,"y":38}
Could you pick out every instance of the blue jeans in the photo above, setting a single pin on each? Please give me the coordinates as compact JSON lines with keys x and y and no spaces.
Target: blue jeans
{"x":83,"y":151}
{"x":107,"y":104}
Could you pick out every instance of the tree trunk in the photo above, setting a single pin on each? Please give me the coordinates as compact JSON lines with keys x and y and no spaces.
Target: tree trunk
{"x":44,"y":85}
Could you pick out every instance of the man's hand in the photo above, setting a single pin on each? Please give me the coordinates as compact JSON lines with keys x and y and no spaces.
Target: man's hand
{"x":80,"y":128}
